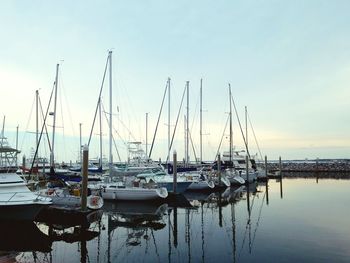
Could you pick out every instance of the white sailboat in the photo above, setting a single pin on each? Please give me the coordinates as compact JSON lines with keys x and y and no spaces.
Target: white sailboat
{"x":231,"y":173}
{"x":109,"y":190}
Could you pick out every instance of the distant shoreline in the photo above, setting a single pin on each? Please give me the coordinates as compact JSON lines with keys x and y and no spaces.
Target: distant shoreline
{"x":314,"y":166}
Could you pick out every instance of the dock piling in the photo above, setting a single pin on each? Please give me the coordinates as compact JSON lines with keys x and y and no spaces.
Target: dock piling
{"x":85,"y":178}
{"x":280,"y":166}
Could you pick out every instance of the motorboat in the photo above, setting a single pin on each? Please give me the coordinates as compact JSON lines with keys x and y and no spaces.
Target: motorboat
{"x":17,"y":202}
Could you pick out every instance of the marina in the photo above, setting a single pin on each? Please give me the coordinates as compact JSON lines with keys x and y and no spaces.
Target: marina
{"x":174,"y":131}
{"x":298,"y":219}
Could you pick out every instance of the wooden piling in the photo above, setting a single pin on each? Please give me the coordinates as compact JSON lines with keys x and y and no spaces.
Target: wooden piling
{"x":280,"y":166}
{"x":85,"y":178}
{"x":174,"y":172}
{"x":266,"y":167}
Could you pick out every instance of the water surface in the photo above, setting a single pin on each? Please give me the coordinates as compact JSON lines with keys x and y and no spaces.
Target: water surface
{"x":296,"y":220}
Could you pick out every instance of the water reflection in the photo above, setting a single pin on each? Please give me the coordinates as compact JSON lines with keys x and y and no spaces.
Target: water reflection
{"x":243,"y":224}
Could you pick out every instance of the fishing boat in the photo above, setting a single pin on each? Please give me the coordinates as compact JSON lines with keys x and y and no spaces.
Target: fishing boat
{"x":138,"y":162}
{"x":17,"y":202}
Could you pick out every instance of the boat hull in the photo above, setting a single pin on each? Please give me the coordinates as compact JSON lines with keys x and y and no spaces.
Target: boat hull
{"x":181,"y":187}
{"x":134,"y":193}
{"x":201,"y":185}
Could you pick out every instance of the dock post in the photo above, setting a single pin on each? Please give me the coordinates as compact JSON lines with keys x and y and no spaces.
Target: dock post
{"x":85,"y":177}
{"x":174,"y":171}
{"x":267,"y":182}
{"x":219,"y":168}
{"x":280,"y":166}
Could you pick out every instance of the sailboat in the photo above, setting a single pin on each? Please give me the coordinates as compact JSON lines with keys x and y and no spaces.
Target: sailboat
{"x":231,"y":172}
{"x":111,"y":190}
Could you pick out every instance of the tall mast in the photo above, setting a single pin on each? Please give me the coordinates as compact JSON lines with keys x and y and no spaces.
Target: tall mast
{"x":100,"y":113}
{"x":200,"y":125}
{"x":37,"y":119}
{"x":246,"y":126}
{"x":110,"y":111}
{"x":17,"y":144}
{"x":147,"y":134}
{"x":168,"y":118}
{"x":185,"y":140}
{"x":80,"y":147}
{"x":187,"y":122}
{"x":231,"y":143}
{"x":52,"y":164}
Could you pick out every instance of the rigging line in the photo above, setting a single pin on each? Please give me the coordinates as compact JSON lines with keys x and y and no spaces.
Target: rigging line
{"x":41,"y":133}
{"x":193,"y":148}
{"x":65,"y":97}
{"x":61,"y":104}
{"x":257,"y":223}
{"x":115,"y":145}
{"x":177,"y":120}
{"x":160,"y":113}
{"x":222,"y":137}
{"x":155,"y":244}
{"x":42,"y":115}
{"x":256,"y":141}
{"x":251,"y":207}
{"x":240,"y":126}
{"x":245,"y":235}
{"x":195,"y":113}
{"x":99,"y":99}
{"x":128,"y":130}
{"x":29,"y":120}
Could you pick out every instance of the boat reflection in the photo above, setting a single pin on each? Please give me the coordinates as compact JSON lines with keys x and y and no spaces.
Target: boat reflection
{"x":23,"y":236}
{"x":134,"y":214}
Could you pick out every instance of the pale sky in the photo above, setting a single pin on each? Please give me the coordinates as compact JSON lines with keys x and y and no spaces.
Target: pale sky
{"x":287,"y":61}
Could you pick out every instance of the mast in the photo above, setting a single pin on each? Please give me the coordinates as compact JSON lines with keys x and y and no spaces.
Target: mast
{"x":17,"y":144}
{"x":110,"y":111}
{"x":80,"y":147}
{"x":231,"y":143}
{"x":168,"y":118}
{"x":187,"y":121}
{"x":147,"y":134}
{"x":246,"y":125}
{"x":185,"y":140}
{"x":37,"y":123}
{"x":100,"y":113}
{"x":200,"y":125}
{"x":52,"y":163}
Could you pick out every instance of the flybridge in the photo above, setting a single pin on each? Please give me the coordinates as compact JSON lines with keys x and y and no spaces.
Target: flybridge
{"x":8,"y":154}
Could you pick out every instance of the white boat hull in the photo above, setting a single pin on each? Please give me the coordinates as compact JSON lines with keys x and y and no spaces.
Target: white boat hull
{"x":133,"y":193}
{"x":201,"y":185}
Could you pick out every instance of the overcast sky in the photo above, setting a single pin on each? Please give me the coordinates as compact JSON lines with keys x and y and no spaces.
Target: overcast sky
{"x":287,"y":61}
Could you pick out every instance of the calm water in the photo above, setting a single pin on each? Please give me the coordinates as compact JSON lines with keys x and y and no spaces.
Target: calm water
{"x":300,"y":220}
